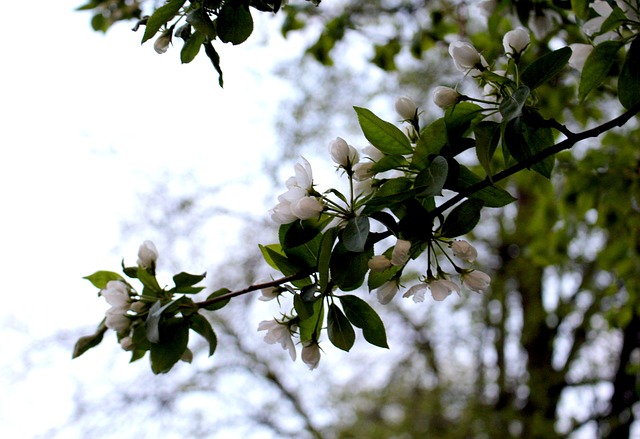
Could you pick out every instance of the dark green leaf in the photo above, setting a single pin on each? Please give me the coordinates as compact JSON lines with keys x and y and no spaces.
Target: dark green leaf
{"x":340,"y":331}
{"x":354,"y":235}
{"x":629,"y":80}
{"x":234,"y":23}
{"x":85,"y":343}
{"x":363,"y":316}
{"x":202,"y":326}
{"x":462,"y":219}
{"x":545,"y":67}
{"x":613,"y":21}
{"x":430,"y":181}
{"x":383,"y":135}
{"x":300,"y":232}
{"x":597,"y":66}
{"x":304,"y":309}
{"x":149,"y":281}
{"x":389,"y":162}
{"x":174,"y":337}
{"x":186,"y":280}
{"x":324,"y":257}
{"x":392,"y":191}
{"x":348,"y":269}
{"x":460,"y":118}
{"x":487,"y":139}
{"x":511,"y":107}
{"x":213,"y":56}
{"x":222,"y":303}
{"x":202,"y":23}
{"x":491,"y":196}
{"x":161,"y":16}
{"x":273,"y":255}
{"x":100,"y":279}
{"x":432,"y":139}
{"x":191,"y":47}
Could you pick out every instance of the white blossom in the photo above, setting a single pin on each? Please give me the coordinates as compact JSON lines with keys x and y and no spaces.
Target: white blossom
{"x":603,"y":9}
{"x":476,"y":281}
{"x":579,"y":55}
{"x":445,"y":97}
{"x":147,"y":256}
{"x":307,"y":207}
{"x":463,"y":250}
{"x":406,"y":108}
{"x":278,"y":333}
{"x":465,"y":57}
{"x":516,"y":41}
{"x":127,"y":343}
{"x":116,"y":294}
{"x":281,"y":213}
{"x":362,"y":171}
{"x":387,"y":291}
{"x":269,"y":293}
{"x":373,"y":153}
{"x":400,"y":254}
{"x":379,"y":263}
{"x":342,"y":153}
{"x":311,"y":354}
{"x":162,"y":42}
{"x":440,"y":290}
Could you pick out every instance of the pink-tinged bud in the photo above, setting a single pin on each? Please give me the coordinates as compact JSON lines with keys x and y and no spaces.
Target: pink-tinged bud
{"x":400,"y":254}
{"x":162,"y":43}
{"x":379,"y":263}
{"x":387,"y":291}
{"x":147,"y":256}
{"x":311,"y":354}
{"x":463,"y":250}
{"x":476,"y":281}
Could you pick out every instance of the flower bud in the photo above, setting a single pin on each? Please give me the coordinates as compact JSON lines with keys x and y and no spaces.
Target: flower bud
{"x":162,"y":42}
{"x":387,"y":291}
{"x":379,"y":263}
{"x":269,"y":293}
{"x":516,"y":41}
{"x":127,"y":343}
{"x":406,"y":108}
{"x":445,"y":97}
{"x":147,"y":256}
{"x":463,"y":250}
{"x":342,"y":153}
{"x":311,"y":354}
{"x":362,"y":171}
{"x":400,"y":254}
{"x":465,"y":56}
{"x":441,"y":288}
{"x":476,"y":281}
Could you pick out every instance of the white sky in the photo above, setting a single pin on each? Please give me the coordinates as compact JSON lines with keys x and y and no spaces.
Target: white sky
{"x":87,"y":123}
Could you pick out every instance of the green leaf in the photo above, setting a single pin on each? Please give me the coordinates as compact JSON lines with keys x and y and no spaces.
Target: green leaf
{"x":100,"y":279}
{"x":311,"y":326}
{"x":460,"y":118}
{"x":324,"y":257}
{"x":363,"y":316}
{"x":87,"y":342}
{"x":629,"y":80}
{"x":174,"y":337}
{"x":301,"y":232}
{"x":383,"y":135}
{"x":355,"y":234}
{"x":526,"y":136}
{"x":218,"y":305}
{"x":581,"y":8}
{"x":430,"y":181}
{"x":149,"y":281}
{"x":304,"y":309}
{"x":201,"y":22}
{"x":487,"y":139}
{"x":491,"y":196}
{"x":597,"y":66}
{"x":432,"y":139}
{"x":202,"y":326}
{"x":186,"y":280}
{"x":273,"y":255}
{"x":213,"y":56}
{"x":340,"y":331}
{"x":161,"y":16}
{"x":192,"y":47}
{"x":616,"y":19}
{"x":462,"y":219}
{"x":348,"y":269}
{"x":391,"y":192}
{"x":234,"y":23}
{"x":545,"y":68}
{"x":511,"y":107}
{"x":389,"y":162}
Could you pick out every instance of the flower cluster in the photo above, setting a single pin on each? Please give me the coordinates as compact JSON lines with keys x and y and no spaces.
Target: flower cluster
{"x":300,"y":201}
{"x":282,"y":332}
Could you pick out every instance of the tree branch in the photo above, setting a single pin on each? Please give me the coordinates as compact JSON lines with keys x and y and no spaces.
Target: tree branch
{"x":568,"y":143}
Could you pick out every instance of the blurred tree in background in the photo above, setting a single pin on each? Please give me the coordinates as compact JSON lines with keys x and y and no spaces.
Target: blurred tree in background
{"x":553,"y":349}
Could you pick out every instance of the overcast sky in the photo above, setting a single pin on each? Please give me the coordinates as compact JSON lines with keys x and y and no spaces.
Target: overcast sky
{"x":88,"y":123}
